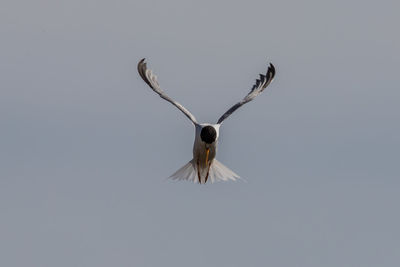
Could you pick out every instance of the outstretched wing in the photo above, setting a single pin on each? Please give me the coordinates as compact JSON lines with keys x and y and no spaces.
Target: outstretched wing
{"x":260,"y":85}
{"x":151,"y":79}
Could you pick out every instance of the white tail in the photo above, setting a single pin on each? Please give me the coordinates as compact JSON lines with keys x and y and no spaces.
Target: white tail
{"x":217,"y":172}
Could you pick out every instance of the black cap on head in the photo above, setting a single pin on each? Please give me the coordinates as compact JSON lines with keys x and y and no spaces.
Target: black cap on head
{"x":208,"y":134}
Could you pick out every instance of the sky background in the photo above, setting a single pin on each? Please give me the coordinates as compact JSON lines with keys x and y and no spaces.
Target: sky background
{"x":85,"y":145}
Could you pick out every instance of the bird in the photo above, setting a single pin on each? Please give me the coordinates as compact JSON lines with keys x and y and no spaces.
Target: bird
{"x":204,"y":166}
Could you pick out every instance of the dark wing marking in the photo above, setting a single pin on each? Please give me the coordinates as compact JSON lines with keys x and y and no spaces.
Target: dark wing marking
{"x":151,"y":79}
{"x":260,"y":85}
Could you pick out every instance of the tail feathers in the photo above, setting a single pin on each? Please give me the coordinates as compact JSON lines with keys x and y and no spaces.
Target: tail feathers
{"x":187,"y":172}
{"x":217,"y":172}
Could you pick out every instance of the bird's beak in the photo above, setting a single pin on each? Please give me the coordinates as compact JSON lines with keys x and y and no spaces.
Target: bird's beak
{"x":207,"y":152}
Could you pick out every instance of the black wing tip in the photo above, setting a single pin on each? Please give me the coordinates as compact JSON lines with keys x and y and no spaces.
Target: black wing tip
{"x":142,"y":67}
{"x":271,"y":70}
{"x":142,"y":62}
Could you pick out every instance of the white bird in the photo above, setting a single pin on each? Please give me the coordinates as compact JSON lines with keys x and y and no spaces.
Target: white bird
{"x":204,"y":166}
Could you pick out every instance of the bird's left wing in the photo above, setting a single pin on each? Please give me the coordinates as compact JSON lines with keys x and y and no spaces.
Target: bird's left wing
{"x":151,"y":79}
{"x":260,"y":85}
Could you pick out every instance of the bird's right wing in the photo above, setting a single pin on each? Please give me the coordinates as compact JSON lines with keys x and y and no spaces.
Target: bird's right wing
{"x":260,"y":85}
{"x":151,"y":79}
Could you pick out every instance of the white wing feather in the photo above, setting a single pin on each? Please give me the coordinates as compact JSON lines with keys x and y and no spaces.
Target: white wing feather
{"x":151,"y":79}
{"x":260,"y":85}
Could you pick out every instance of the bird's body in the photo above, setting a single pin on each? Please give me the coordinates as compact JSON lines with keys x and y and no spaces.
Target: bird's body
{"x":204,"y":167}
{"x":204,"y":152}
{"x":200,"y":147}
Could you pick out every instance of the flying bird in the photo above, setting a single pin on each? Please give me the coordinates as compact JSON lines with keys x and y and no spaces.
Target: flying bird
{"x":204,"y":167}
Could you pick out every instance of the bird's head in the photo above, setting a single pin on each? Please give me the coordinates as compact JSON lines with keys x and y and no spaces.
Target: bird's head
{"x":208,"y":134}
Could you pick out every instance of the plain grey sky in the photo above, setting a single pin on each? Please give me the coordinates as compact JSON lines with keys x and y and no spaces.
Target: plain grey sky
{"x":86,"y":146}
